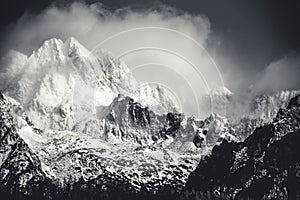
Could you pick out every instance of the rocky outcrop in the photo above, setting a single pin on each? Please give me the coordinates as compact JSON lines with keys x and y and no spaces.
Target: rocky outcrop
{"x":264,"y":166}
{"x":21,"y":174}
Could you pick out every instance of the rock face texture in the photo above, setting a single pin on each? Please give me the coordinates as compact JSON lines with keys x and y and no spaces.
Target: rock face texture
{"x":148,"y":152}
{"x":259,"y":111}
{"x":21,"y":173}
{"x":70,"y":119}
{"x":76,"y":126}
{"x":265,"y":166}
{"x":54,"y":83}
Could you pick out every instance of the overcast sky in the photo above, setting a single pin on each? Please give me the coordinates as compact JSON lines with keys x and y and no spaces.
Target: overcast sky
{"x":255,"y":43}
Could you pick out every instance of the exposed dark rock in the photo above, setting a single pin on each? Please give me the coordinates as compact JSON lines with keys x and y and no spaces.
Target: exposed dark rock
{"x":264,"y":166}
{"x":140,"y":115}
{"x":198,"y":140}
{"x":258,"y":168}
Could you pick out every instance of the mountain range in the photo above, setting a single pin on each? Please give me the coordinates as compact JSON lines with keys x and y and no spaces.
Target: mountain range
{"x":78,"y":126}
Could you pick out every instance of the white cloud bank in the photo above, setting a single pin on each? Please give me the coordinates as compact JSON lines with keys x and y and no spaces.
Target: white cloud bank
{"x":184,"y":67}
{"x":282,"y":74}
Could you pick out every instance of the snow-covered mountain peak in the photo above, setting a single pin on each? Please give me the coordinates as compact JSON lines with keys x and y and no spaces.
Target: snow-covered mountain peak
{"x":72,"y":42}
{"x":62,"y":82}
{"x":220,"y":91}
{"x":51,"y":48}
{"x":157,"y":98}
{"x":267,"y":105}
{"x":217,"y":100}
{"x":75,"y":48}
{"x":57,"y":49}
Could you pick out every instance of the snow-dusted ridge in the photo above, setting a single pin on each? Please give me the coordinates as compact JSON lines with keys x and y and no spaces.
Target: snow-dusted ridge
{"x":62,"y":75}
{"x":83,"y":117}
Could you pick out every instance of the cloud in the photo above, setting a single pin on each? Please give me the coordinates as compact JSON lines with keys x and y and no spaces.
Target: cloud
{"x":91,"y":24}
{"x":184,"y":65}
{"x":282,"y":74}
{"x":177,"y":45}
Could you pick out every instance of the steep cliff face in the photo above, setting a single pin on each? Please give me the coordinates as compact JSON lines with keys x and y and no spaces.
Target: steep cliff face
{"x":149,"y":152}
{"x":264,"y":166}
{"x":54,"y":83}
{"x":75,"y":125}
{"x":64,"y":87}
{"x":247,"y":114}
{"x":69,"y":166}
{"x":21,"y":174}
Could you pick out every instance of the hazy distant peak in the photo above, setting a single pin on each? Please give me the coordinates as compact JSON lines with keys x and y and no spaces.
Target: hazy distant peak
{"x":14,"y":54}
{"x":221,"y":91}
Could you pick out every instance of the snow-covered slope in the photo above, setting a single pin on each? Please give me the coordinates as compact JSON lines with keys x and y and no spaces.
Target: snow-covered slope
{"x":220,"y":97}
{"x":85,"y":117}
{"x":247,"y":113}
{"x":264,"y":166}
{"x":217,"y":100}
{"x":267,"y":105}
{"x":131,"y":142}
{"x":54,"y":83}
{"x":156,"y":98}
{"x":82,"y":117}
{"x":258,"y":111}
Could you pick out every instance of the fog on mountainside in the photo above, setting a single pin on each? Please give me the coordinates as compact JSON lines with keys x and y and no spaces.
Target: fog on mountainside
{"x":146,"y":102}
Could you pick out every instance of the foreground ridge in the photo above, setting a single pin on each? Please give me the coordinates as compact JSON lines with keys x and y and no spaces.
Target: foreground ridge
{"x":264,"y":166}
